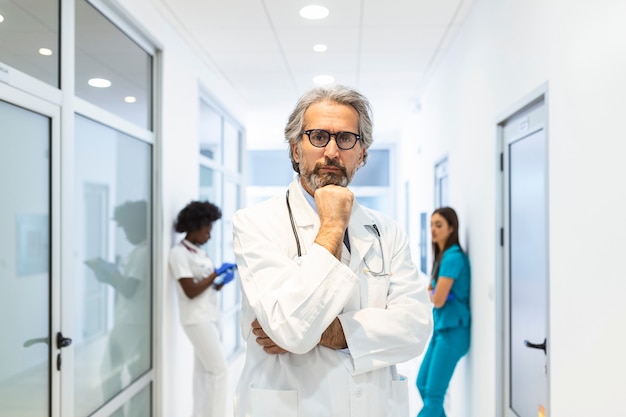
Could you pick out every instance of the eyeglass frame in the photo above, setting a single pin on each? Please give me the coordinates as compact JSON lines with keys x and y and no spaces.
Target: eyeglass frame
{"x":330,"y":136}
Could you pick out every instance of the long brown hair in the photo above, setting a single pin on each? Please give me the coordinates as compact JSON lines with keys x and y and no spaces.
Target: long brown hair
{"x":452,"y":219}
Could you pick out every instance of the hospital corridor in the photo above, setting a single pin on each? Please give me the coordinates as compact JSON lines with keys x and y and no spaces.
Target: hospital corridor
{"x":115,"y":115}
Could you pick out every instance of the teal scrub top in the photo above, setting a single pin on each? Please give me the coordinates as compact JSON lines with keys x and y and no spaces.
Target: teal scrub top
{"x":456,"y":312}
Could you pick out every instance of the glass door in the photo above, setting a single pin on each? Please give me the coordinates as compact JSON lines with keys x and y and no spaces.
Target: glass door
{"x":30,"y":357}
{"x":526,"y":279}
{"x":112,"y":272}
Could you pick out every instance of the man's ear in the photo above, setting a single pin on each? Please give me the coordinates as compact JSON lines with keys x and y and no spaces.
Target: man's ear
{"x":361,"y":158}
{"x":294,"y":152}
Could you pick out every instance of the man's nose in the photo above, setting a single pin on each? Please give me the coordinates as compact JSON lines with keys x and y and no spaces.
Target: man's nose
{"x":331,"y":149}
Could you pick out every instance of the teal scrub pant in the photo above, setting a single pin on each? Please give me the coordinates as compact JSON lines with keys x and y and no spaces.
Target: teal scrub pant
{"x":446,"y":347}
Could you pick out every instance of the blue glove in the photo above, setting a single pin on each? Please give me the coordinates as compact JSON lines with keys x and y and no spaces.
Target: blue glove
{"x":225,"y":267}
{"x":225,"y":278}
{"x":228,"y":276}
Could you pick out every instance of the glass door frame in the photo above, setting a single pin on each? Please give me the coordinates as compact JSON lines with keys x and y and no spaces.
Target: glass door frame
{"x":61,"y":106}
{"x":53,"y":112}
{"x":111,"y":121}
{"x":539,"y":96}
{"x":73,"y":106}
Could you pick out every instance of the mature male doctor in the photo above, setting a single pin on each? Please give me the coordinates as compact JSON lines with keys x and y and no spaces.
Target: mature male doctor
{"x":331,"y":298}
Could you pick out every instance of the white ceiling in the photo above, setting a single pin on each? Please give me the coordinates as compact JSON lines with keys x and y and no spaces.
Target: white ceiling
{"x":386,"y":49}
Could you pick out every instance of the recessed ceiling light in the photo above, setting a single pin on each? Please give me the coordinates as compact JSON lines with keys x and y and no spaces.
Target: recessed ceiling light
{"x":314,"y":12}
{"x":324,"y":79}
{"x":45,"y":51}
{"x":99,"y":83}
{"x":320,"y":47}
{"x":1,"y":18}
{"x":130,"y":99}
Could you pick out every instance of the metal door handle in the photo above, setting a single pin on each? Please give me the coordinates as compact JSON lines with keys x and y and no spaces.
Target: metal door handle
{"x":63,"y":342}
{"x":31,"y":342}
{"x":541,"y":346}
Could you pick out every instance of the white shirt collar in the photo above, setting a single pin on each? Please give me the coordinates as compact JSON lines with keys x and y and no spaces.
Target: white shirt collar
{"x":308,"y":196}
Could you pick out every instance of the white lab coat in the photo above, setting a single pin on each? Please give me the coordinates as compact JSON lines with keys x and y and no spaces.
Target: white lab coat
{"x":386,"y":319}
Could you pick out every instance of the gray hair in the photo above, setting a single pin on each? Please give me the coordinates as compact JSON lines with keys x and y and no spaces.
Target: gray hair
{"x":338,"y":94}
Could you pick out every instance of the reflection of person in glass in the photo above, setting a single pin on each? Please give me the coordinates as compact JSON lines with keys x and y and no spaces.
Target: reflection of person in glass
{"x":128,"y":347}
{"x":198,"y":282}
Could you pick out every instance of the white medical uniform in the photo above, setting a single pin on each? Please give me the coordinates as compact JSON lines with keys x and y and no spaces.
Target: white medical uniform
{"x":200,"y":317}
{"x":386,"y":317}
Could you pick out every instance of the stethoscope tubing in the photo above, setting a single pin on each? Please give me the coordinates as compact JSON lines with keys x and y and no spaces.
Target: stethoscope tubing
{"x":293,"y":225}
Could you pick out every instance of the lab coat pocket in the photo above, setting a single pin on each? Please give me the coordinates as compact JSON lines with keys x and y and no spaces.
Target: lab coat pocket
{"x":400,"y":397}
{"x":375,"y":292}
{"x":271,"y":402}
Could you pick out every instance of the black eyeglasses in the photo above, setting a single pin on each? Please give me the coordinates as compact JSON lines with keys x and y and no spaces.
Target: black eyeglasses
{"x":320,"y":138}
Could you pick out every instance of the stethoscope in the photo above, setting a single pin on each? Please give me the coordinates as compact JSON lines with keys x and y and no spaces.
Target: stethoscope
{"x":371,"y":227}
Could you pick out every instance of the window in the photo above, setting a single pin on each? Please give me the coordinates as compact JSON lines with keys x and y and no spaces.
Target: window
{"x":113,"y":268}
{"x":210,"y":128}
{"x":270,"y":171}
{"x":220,"y":147}
{"x":112,"y":70}
{"x":441,"y":183}
{"x":36,"y":54}
{"x":269,"y":168}
{"x":112,"y":205}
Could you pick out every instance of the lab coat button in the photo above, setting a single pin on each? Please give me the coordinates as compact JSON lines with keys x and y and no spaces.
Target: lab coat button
{"x":358,"y":393}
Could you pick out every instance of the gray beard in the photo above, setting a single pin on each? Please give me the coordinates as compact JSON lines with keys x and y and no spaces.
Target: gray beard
{"x":314,"y":180}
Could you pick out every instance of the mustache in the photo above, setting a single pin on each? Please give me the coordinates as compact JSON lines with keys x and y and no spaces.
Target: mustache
{"x":331,"y":163}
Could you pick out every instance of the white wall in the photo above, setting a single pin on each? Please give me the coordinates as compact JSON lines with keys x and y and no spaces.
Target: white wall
{"x":505,"y":51}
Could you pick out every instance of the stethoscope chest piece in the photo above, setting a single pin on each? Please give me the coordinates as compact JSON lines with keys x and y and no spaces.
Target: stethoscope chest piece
{"x":379,"y":272}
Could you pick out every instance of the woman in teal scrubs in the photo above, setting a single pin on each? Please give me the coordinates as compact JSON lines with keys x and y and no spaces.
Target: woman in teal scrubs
{"x":450,"y":293}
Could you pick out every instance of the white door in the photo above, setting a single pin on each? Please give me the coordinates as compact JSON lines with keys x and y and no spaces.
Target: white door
{"x":31,"y":352}
{"x":525,"y":242}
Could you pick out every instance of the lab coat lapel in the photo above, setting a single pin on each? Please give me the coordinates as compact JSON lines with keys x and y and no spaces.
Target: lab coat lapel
{"x":306,"y":219}
{"x":361,"y":239}
{"x":307,"y":222}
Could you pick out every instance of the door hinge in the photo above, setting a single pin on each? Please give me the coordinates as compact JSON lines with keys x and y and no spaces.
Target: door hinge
{"x":502,"y":236}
